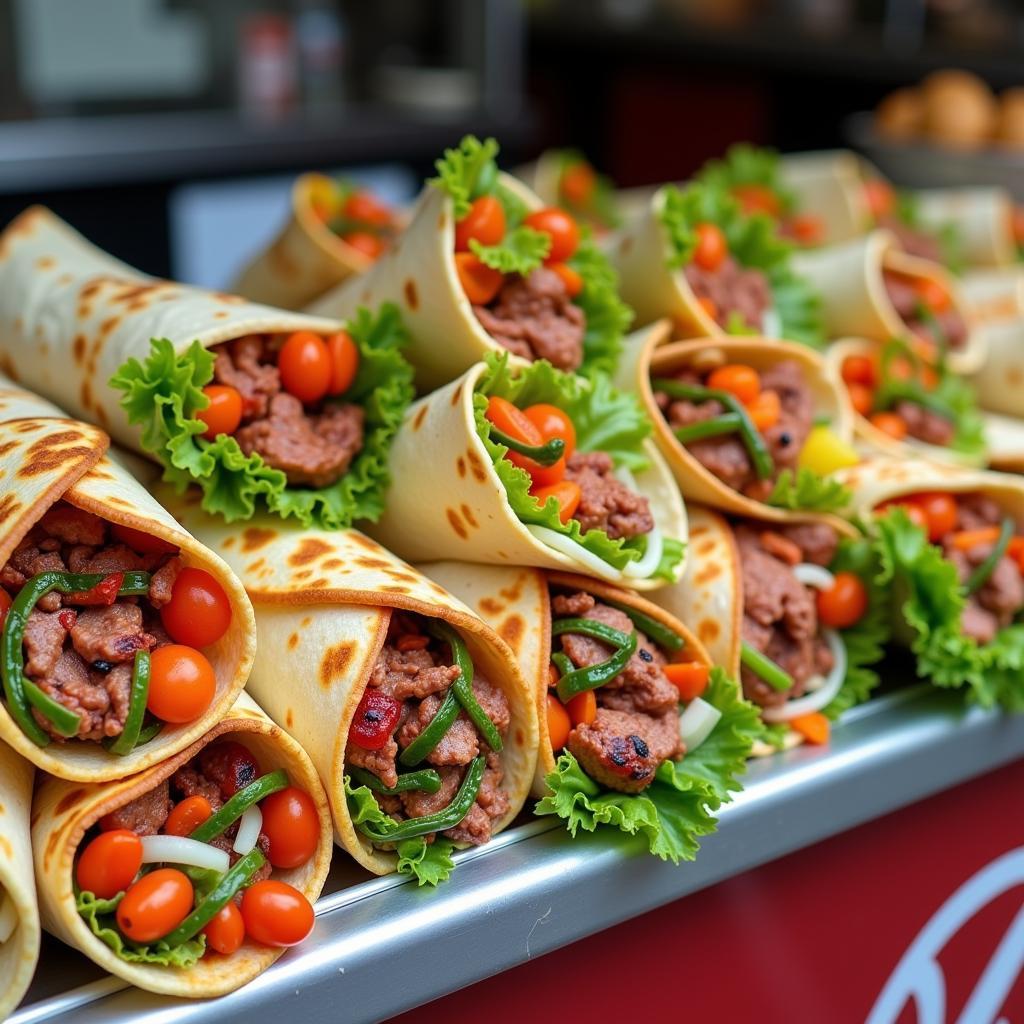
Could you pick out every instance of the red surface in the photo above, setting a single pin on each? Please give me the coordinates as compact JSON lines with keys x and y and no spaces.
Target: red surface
{"x":812,"y":937}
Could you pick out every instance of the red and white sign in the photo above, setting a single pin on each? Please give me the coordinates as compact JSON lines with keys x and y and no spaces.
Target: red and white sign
{"x":918,"y":916}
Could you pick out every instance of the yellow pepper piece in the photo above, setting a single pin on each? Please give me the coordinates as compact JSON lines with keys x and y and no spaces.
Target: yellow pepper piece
{"x":824,"y":452}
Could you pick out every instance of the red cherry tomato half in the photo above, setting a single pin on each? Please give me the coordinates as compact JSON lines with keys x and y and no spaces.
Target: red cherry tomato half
{"x":939,"y":512}
{"x":109,"y":863}
{"x":578,"y":183}
{"x":712,"y":247}
{"x":368,"y":244}
{"x":292,"y":825}
{"x":181,"y":684}
{"x":155,"y":905}
{"x":375,"y":719}
{"x":844,"y":604}
{"x":144,"y":543}
{"x":231,"y":764}
{"x":224,"y":413}
{"x":199,"y":612}
{"x":480,"y":283}
{"x":755,"y":198}
{"x":305,"y":366}
{"x":187,"y":816}
{"x":559,"y":723}
{"x":5,"y":603}
{"x":570,"y":278}
{"x":276,"y":914}
{"x":226,"y":932}
{"x":344,"y":362}
{"x":553,"y":422}
{"x":485,"y":223}
{"x":562,"y":229}
{"x":366,"y":207}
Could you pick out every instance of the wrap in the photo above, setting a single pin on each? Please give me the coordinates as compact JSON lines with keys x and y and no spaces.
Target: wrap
{"x":648,"y":354}
{"x":47,"y":459}
{"x":64,"y":811}
{"x":323,"y":604}
{"x":994,"y":294}
{"x":456,"y":504}
{"x":565,"y":178}
{"x":999,"y":381}
{"x":20,"y":951}
{"x":854,"y":300}
{"x":982,"y":219}
{"x":828,"y":185}
{"x":1005,"y":438}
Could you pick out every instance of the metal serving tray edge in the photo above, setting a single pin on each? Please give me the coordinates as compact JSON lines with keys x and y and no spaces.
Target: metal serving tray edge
{"x":533,"y":889}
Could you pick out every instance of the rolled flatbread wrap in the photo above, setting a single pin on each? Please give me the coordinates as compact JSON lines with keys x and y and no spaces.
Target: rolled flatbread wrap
{"x":565,"y":178}
{"x":994,"y":294}
{"x":243,"y":750}
{"x":828,"y":184}
{"x":981,"y":219}
{"x":999,"y":381}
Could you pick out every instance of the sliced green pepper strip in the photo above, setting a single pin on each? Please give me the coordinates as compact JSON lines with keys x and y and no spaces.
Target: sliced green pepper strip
{"x":428,"y":781}
{"x":764,"y":464}
{"x":590,"y":677}
{"x":727,"y":423}
{"x":896,"y":391}
{"x":764,"y":668}
{"x":447,"y":817}
{"x":19,"y":691}
{"x":660,"y":634}
{"x":225,"y":890}
{"x":129,"y":738}
{"x":433,"y":733}
{"x":463,"y":686}
{"x":149,"y":731}
{"x":239,"y":804}
{"x":546,"y":454}
{"x":977,"y":578}
{"x":562,"y":662}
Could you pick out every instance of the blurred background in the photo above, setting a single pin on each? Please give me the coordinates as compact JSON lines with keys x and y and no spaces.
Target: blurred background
{"x":168,"y":131}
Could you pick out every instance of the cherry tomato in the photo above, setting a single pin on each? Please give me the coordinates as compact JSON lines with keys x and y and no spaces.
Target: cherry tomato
{"x":199,"y":612}
{"x":5,"y":603}
{"x":890,"y":423}
{"x":559,"y":724}
{"x":187,"y":816}
{"x":231,"y":764}
{"x":109,"y":863}
{"x":566,"y":492}
{"x":305,"y":366}
{"x":485,"y":222}
{"x":860,"y":370}
{"x":480,"y":283}
{"x":181,"y":683}
{"x":578,"y":184}
{"x":880,"y":198}
{"x":1015,"y":549}
{"x":690,"y":678}
{"x":928,"y":377}
{"x":742,"y":381}
{"x":563,"y":230}
{"x":844,"y":603}
{"x":933,"y":295}
{"x":276,"y":914}
{"x":226,"y":931}
{"x":553,"y":422}
{"x":765,"y":410}
{"x":807,"y":229}
{"x":375,"y":719}
{"x":366,"y":242}
{"x":513,"y":421}
{"x":144,"y":543}
{"x":292,"y":826}
{"x":712,"y":248}
{"x":366,"y":207}
{"x":155,"y":905}
{"x":862,"y":398}
{"x":572,"y":281}
{"x":224,"y":413}
{"x":344,"y":355}
{"x":755,"y":198}
{"x":543,"y":476}
{"x":939,"y":513}
{"x":914,"y":512}
{"x":582,"y":708}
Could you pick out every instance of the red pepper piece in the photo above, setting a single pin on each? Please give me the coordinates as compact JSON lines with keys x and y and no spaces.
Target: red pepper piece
{"x":67,"y":619}
{"x":230,"y":765}
{"x":375,"y":719}
{"x":104,"y":593}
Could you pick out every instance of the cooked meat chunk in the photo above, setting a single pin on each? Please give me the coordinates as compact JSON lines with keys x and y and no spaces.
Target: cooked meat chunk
{"x":413,"y":673}
{"x":622,"y":750}
{"x":145,"y":815}
{"x":733,"y":290}
{"x":380,"y":762}
{"x":244,"y":364}
{"x":419,"y":803}
{"x":189,"y":781}
{"x":606,"y":503}
{"x":975,"y":511}
{"x":72,"y":525}
{"x":1000,"y":598}
{"x":112,"y":633}
{"x":917,"y":243}
{"x":817,"y":541}
{"x":906,"y":300}
{"x":925,"y":425}
{"x":44,"y":640}
{"x":474,"y":829}
{"x":787,"y":437}
{"x":70,"y":684}
{"x":116,"y":558}
{"x":161,"y":586}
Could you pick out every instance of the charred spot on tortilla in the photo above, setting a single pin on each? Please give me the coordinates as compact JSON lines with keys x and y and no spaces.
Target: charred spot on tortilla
{"x":6,"y":847}
{"x":372,"y":563}
{"x":319,"y":584}
{"x":231,"y":300}
{"x":302,"y":574}
{"x":7,"y":446}
{"x":460,"y":466}
{"x":411,"y":298}
{"x":457,"y":393}
{"x":229,"y":543}
{"x":476,"y":465}
{"x":86,"y":393}
{"x":7,"y":366}
{"x":333,"y":563}
{"x":69,"y":800}
{"x":512,"y":631}
{"x":309,"y":550}
{"x":705,"y":547}
{"x":467,"y":514}
{"x":45,"y":262}
{"x":335,"y":663}
{"x":490,"y":606}
{"x":708,"y":573}
{"x":46,"y":458}
{"x":109,"y":325}
{"x":221,"y":314}
{"x":289,"y":718}
{"x":293,"y":641}
{"x":101,"y":415}
{"x":9,"y":505}
{"x":456,"y":523}
{"x":90,"y":288}
{"x":420,"y":416}
{"x":254,"y":538}
{"x":306,"y":622}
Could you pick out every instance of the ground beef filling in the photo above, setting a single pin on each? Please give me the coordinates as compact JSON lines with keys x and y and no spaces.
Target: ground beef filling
{"x":418,"y":672}
{"x":999,"y":601}
{"x":606,"y":503}
{"x":732,"y":290}
{"x":912,"y":240}
{"x":780,"y":614}
{"x":81,"y":655}
{"x":906,"y":300}
{"x":925,"y":424}
{"x":637,"y":723}
{"x":312,"y":445}
{"x":726,"y":456}
{"x":534,"y":317}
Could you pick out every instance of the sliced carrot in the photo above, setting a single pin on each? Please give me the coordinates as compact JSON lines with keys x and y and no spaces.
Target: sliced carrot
{"x":765,"y":410}
{"x":553,"y":675}
{"x":582,"y":708}
{"x":479,"y":282}
{"x":412,"y":642}
{"x":566,"y":492}
{"x":742,"y":381}
{"x":933,"y":295}
{"x":860,"y":370}
{"x":690,"y":678}
{"x":862,"y":398}
{"x":814,"y":727}
{"x":559,"y":724}
{"x":807,"y":228}
{"x":964,"y":540}
{"x":891,"y":424}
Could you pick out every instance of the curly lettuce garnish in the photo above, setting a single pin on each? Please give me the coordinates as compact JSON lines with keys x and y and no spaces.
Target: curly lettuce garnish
{"x":678,"y":808}
{"x":754,"y":243}
{"x":745,"y":165}
{"x":608,"y":317}
{"x":520,"y":251}
{"x":808,"y":492}
{"x":605,"y":420}
{"x":163,"y":394}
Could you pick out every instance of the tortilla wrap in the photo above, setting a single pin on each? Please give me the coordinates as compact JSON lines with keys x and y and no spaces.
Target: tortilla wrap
{"x":48,"y":459}
{"x":418,"y":274}
{"x":452,"y":504}
{"x":1005,"y":436}
{"x":649,"y":353}
{"x":19,"y":954}
{"x":506,"y":597}
{"x":323,"y":603}
{"x":999,"y":381}
{"x":70,"y":316}
{"x":848,"y":278}
{"x":994,"y":294}
{"x":305,"y":260}
{"x":981,"y":217}
{"x":875,"y":441}
{"x":828,"y":185}
{"x":64,"y":811}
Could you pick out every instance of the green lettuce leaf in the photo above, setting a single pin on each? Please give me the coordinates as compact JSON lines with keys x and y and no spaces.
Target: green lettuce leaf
{"x":808,"y":492}
{"x":754,"y":243}
{"x":601,"y":210}
{"x":462,"y":172}
{"x":163,"y":394}
{"x":608,"y":317}
{"x":99,"y":915}
{"x":520,"y":251}
{"x":605,"y":419}
{"x":744,"y":164}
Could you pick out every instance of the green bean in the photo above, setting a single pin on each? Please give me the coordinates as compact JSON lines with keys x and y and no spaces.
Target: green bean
{"x":764,"y":668}
{"x":129,"y":738}
{"x":433,"y":733}
{"x":427,"y":780}
{"x":977,"y":578}
{"x":239,"y":804}
{"x":727,"y":423}
{"x":546,"y":454}
{"x":662,"y":635}
{"x":590,"y":677}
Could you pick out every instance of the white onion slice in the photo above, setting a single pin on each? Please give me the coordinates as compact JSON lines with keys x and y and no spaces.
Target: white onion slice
{"x":816,"y":576}
{"x":182,"y":850}
{"x":824,"y":694}
{"x":8,"y":918}
{"x":696,"y":723}
{"x":771,"y":323}
{"x":249,"y":826}
{"x":571,"y":549}
{"x":651,"y":558}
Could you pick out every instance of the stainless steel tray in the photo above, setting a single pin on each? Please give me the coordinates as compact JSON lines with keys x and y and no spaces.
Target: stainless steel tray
{"x":534,"y":889}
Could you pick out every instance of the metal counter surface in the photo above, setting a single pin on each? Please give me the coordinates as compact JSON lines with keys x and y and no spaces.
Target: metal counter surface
{"x":534,"y":889}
